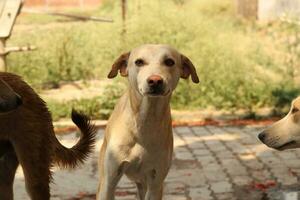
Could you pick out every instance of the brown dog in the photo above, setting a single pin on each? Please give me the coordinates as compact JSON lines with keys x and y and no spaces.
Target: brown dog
{"x":27,"y":137}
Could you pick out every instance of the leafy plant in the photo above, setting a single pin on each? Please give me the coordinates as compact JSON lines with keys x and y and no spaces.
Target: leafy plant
{"x":99,"y":107}
{"x":242,"y":65}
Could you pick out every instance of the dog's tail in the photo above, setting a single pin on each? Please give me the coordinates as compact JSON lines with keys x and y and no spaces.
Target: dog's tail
{"x":76,"y":155}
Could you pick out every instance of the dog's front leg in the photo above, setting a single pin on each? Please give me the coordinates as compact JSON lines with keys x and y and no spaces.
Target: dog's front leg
{"x":109,"y":177}
{"x":154,"y":185}
{"x":142,"y":188}
{"x":154,"y":192}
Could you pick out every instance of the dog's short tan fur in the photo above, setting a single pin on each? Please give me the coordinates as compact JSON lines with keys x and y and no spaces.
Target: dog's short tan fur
{"x":138,"y":139}
{"x":27,"y":137}
{"x":284,"y":134}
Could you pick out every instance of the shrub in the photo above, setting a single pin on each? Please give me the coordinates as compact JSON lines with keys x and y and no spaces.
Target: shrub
{"x":240,"y":64}
{"x":98,"y":107}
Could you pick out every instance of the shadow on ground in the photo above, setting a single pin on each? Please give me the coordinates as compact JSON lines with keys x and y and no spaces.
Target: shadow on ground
{"x":210,"y":163}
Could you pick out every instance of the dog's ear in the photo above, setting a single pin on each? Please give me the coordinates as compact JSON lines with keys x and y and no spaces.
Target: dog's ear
{"x":119,"y":65}
{"x":188,"y":69}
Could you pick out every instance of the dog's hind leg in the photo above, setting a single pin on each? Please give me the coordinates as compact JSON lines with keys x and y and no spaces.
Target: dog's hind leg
{"x":36,"y":168}
{"x":8,"y":166}
{"x":37,"y":179}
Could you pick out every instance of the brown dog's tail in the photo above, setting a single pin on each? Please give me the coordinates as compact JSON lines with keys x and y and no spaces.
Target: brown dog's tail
{"x":76,"y":155}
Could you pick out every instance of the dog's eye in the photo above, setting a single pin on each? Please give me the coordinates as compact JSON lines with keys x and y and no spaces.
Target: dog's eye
{"x":169,"y":62}
{"x":295,"y":110}
{"x":139,"y":62}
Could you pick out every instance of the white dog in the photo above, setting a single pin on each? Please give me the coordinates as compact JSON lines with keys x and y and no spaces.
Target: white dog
{"x":138,"y":139}
{"x":284,"y":134}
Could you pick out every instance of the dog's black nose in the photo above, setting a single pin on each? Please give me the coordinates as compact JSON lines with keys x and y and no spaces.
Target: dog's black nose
{"x":156,"y":85}
{"x":262,"y":136}
{"x":155,"y":80}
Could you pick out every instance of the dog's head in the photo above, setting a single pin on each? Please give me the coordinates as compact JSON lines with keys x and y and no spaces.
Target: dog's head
{"x":9,"y":100}
{"x":154,"y":69}
{"x":284,"y":134}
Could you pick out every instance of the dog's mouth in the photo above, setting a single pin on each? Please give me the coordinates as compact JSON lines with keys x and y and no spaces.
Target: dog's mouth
{"x":154,"y":93}
{"x":288,"y":145}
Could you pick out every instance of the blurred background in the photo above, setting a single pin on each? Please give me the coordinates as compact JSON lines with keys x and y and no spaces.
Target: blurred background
{"x":246,"y":52}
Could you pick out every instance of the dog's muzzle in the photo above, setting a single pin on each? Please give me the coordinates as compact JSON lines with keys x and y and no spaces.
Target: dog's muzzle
{"x":155,"y":85}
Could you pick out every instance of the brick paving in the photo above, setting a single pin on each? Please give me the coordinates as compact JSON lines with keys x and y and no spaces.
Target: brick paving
{"x":210,"y":163}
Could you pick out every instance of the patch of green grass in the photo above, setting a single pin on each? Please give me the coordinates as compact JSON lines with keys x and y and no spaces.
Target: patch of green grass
{"x":240,"y":63}
{"x":97,"y":108}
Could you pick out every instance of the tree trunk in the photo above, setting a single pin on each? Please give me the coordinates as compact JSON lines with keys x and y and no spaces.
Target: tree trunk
{"x":247,"y":8}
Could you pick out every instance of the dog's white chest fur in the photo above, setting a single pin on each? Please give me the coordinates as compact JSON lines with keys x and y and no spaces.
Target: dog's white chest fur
{"x":144,"y":149}
{"x":143,"y":161}
{"x":144,"y":142}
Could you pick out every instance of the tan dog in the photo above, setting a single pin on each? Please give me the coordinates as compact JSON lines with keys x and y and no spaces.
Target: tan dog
{"x":27,"y":137}
{"x":284,"y":134}
{"x":138,"y":139}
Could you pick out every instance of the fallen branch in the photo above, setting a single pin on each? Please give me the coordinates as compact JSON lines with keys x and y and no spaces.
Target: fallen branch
{"x":73,"y":16}
{"x":17,"y":49}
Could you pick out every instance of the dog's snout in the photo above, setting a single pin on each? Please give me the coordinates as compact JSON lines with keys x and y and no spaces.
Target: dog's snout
{"x":155,"y":85}
{"x":262,"y":136}
{"x":155,"y":80}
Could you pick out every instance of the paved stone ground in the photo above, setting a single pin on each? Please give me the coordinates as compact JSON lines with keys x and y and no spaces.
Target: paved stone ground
{"x":210,"y":163}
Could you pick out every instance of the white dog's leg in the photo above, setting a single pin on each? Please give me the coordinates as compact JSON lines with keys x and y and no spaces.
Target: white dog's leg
{"x":154,"y":193}
{"x":154,"y":186}
{"x":142,"y":188}
{"x":112,"y":173}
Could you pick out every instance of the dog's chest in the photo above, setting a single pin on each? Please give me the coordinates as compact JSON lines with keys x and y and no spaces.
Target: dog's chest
{"x":151,"y":145}
{"x":145,"y":159}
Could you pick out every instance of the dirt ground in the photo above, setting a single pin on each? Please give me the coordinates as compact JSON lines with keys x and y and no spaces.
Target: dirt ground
{"x":209,"y":163}
{"x":76,"y":90}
